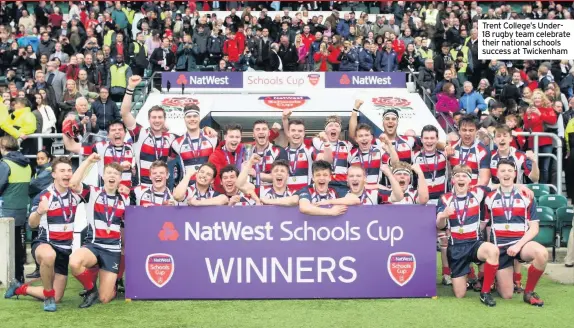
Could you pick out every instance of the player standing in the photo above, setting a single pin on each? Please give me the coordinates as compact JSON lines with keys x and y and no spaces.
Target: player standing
{"x":200,"y":192}
{"x":301,"y":156}
{"x":320,"y":191}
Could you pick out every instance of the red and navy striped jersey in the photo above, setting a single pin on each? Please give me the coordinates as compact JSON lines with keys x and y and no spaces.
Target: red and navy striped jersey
{"x":104,"y":228}
{"x":267,"y":192}
{"x":371,"y":161}
{"x":57,"y":225}
{"x":148,"y":149}
{"x":309,"y":193}
{"x":464,"y":227}
{"x":523,"y":164}
{"x":476,"y":157}
{"x":434,"y":167}
{"x":404,"y":146}
{"x":142,"y":195}
{"x":300,"y":163}
{"x":341,"y":151}
{"x":510,"y":215}
{"x":245,"y":200}
{"x":411,"y":196}
{"x":268,"y":156}
{"x":111,"y":154}
{"x":370,"y":197}
{"x":193,"y":192}
{"x":192,"y":153}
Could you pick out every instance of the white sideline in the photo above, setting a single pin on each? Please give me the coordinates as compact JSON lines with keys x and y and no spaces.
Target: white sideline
{"x":6,"y":251}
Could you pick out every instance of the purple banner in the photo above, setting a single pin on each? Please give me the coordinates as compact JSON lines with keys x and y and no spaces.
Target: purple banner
{"x":368,"y":80}
{"x":202,"y":80}
{"x":267,"y":252}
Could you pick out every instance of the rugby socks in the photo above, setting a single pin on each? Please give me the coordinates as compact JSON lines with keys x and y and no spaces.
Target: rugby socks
{"x":480,"y":275}
{"x":49,"y":293}
{"x":86,"y":279}
{"x":122,"y":267}
{"x":533,"y":276}
{"x":472,"y":274}
{"x":22,"y":290}
{"x":446,"y":271}
{"x":517,"y":276}
{"x":93,"y":271}
{"x":489,"y":275}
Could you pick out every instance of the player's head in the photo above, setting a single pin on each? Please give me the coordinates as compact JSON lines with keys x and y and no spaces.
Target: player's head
{"x":467,"y":128}
{"x":156,"y":117}
{"x":296,"y":132}
{"x":322,"y":174}
{"x":158,"y":172}
{"x":117,"y":132}
{"x":461,"y":178}
{"x":502,"y":137}
{"x":429,"y":137}
{"x":280,"y":173}
{"x":191,"y":116}
{"x":356,"y":178}
{"x":506,"y":172}
{"x":205,"y":175}
{"x":62,"y":171}
{"x":228,"y":176}
{"x":390,"y":121}
{"x":112,"y":176}
{"x":333,"y":127}
{"x":402,"y":172}
{"x":232,"y":136}
{"x":364,"y":136}
{"x":261,"y":132}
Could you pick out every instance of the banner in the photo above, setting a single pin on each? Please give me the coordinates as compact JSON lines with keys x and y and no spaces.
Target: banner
{"x":176,"y":81}
{"x":365,"y":80}
{"x":268,"y":252}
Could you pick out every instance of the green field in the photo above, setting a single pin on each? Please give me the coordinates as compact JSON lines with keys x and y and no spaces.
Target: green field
{"x":446,"y":311}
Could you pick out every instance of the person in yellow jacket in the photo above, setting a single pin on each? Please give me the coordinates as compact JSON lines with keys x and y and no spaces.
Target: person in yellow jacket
{"x":22,"y":121}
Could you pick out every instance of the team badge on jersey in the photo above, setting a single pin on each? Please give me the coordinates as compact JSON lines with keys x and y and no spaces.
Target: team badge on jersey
{"x":160,"y":268}
{"x":402,"y":267}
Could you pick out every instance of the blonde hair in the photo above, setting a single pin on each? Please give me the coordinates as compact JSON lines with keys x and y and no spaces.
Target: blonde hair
{"x":545,"y":101}
{"x":461,"y":168}
{"x":498,"y":72}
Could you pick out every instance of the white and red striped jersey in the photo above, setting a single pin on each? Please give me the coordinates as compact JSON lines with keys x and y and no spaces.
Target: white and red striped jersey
{"x":142,"y":195}
{"x":464,"y":224}
{"x":193,"y":192}
{"x":371,"y":161}
{"x":404,"y":146}
{"x":476,"y":157}
{"x":267,"y":192}
{"x":192,"y":152}
{"x":268,"y":156}
{"x":148,"y":149}
{"x":434,"y":167}
{"x":341,"y":151}
{"x":112,"y":154}
{"x":300,"y":163}
{"x":57,"y":225}
{"x":523,"y":164}
{"x":509,"y":214}
{"x":310,"y":193}
{"x":411,"y":196}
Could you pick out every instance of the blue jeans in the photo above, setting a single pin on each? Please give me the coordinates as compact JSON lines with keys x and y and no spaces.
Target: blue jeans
{"x":544,"y":164}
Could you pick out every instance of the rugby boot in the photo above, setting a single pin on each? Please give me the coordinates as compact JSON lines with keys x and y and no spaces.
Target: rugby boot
{"x":50,"y":304}
{"x":11,"y":290}
{"x":533,"y":299}
{"x":446,"y":280}
{"x":475,"y":285}
{"x":518,"y":287}
{"x":82,"y":293}
{"x":34,"y":275}
{"x":120,"y":288}
{"x":90,"y":298}
{"x":487,"y":299}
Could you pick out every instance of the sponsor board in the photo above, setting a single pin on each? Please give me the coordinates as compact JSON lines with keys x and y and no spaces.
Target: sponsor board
{"x":284,"y":102}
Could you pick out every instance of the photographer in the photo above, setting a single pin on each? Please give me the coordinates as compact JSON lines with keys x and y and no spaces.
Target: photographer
{"x":245,"y":62}
{"x":186,"y":55}
{"x":23,"y":63}
{"x":349,"y":58}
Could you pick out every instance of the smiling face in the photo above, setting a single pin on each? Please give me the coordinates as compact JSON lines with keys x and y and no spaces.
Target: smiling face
{"x":502,"y":139}
{"x":461,"y":182}
{"x":261,"y":134}
{"x":506,"y":173}
{"x":333,"y":130}
{"x":228,"y":182}
{"x":296,"y":134}
{"x":232,"y":140}
{"x":468,"y":134}
{"x":62,"y":174}
{"x":390,"y":123}
{"x":364,"y":139}
{"x":404,"y":179}
{"x":116,"y":134}
{"x":158,"y":177}
{"x":322,"y":178}
{"x":356,"y":179}
{"x":192,"y":121}
{"x":157,"y":120}
{"x":279,"y":174}
{"x":429,"y":140}
{"x":112,"y":178}
{"x":205,"y":176}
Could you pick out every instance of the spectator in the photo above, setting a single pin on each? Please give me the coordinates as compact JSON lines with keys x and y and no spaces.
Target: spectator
{"x":23,"y":63}
{"x":501,"y":79}
{"x":85,"y":87}
{"x":120,"y":47}
{"x":427,"y":76}
{"x":567,"y":84}
{"x":344,"y":25}
{"x":349,"y":58}
{"x":15,"y":176}
{"x":47,"y":46}
{"x":544,"y":77}
{"x":153,"y":43}
{"x":105,"y":110}
{"x":68,"y":99}
{"x":47,"y":114}
{"x":138,"y":55}
{"x":185,"y":55}
{"x":518,"y":142}
{"x":119,"y":16}
{"x":387,"y":60}
{"x":303,"y":52}
{"x":27,"y":20}
{"x":471,"y":101}
{"x":288,"y":54}
{"x":449,"y":78}
{"x":447,"y":103}
{"x":495,"y":116}
{"x":120,"y":72}
{"x":275,"y":64}
{"x":231,"y":48}
{"x":199,"y":41}
{"x":442,"y":60}
{"x":57,"y":80}
{"x":21,"y":122}
{"x":215,"y":46}
{"x":73,"y":69}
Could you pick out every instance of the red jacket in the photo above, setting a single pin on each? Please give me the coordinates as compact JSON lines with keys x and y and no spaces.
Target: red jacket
{"x":334,"y":53}
{"x":307,"y":40}
{"x":535,"y":123}
{"x":518,"y":141}
{"x":400,"y":48}
{"x":240,"y":38}
{"x":323,"y":60}
{"x":231,"y":49}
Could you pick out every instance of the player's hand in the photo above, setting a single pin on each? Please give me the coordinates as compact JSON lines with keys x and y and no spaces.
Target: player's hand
{"x":234,"y":200}
{"x":126,"y":165}
{"x":94,"y":119}
{"x":170,"y":202}
{"x":386,"y":170}
{"x":531,"y":155}
{"x":94,"y":158}
{"x":134,"y":81}
{"x":148,"y":205}
{"x":124,"y":190}
{"x":43,"y":206}
{"x":449,"y":150}
{"x":190,"y":172}
{"x":276,"y":127}
{"x":193,"y":202}
{"x":255,"y":158}
{"x":385,"y":140}
{"x":448,"y":212}
{"x":416,"y":168}
{"x":264,"y":201}
{"x":323,"y":136}
{"x":513,"y":250}
{"x":210,"y":132}
{"x":358,"y":103}
{"x":287,"y":112}
{"x":338,"y":210}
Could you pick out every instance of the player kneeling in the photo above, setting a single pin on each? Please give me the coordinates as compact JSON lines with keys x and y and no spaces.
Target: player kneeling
{"x":157,"y":193}
{"x":53,"y":210}
{"x":104,"y":213}
{"x":459,"y":211}
{"x":357,"y":182}
{"x":514,"y":225}
{"x":200,"y":192}
{"x":275,"y":194}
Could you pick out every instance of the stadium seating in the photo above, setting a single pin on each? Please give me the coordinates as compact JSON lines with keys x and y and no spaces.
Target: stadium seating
{"x":547,"y":233}
{"x":539,"y":189}
{"x":564,"y":217}
{"x":553,"y":201}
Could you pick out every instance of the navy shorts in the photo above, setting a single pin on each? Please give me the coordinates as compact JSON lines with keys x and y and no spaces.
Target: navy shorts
{"x":460,"y":256}
{"x":505,"y":260}
{"x":108,"y":261}
{"x":62,"y":257}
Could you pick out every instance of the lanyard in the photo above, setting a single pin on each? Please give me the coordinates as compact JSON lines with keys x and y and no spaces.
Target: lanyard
{"x":228,"y":159}
{"x":317,"y":197}
{"x":199,"y":195}
{"x":110,"y":216}
{"x":507,"y":209}
{"x":293,"y":167}
{"x":364,"y":196}
{"x":158,"y":152}
{"x":369,"y":162}
{"x":69,"y":210}
{"x":194,"y":151}
{"x":122,"y":154}
{"x":461,"y":160}
{"x":276,"y":195}
{"x":336,"y":156}
{"x":260,"y":167}
{"x":461,"y":217}
{"x":165,"y":196}
{"x":435,"y":167}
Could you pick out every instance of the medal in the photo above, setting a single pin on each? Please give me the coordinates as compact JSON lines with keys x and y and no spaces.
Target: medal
{"x":158,"y":153}
{"x":110,"y":216}
{"x":461,"y":217}
{"x":192,"y":148}
{"x":435,"y":167}
{"x":108,"y":230}
{"x":67,"y":211}
{"x":65,"y":227}
{"x":294,"y":179}
{"x":461,"y":230}
{"x":122,"y":154}
{"x":507,"y":209}
{"x":507,"y":227}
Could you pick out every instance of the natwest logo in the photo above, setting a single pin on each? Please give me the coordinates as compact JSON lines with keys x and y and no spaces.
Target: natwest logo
{"x":371,"y":80}
{"x":202,"y":80}
{"x":402,"y":267}
{"x":209,"y":79}
{"x":168,"y":232}
{"x":364,"y":79}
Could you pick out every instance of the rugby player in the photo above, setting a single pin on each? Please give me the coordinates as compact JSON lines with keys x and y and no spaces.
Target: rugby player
{"x":402,"y":172}
{"x":104,"y":213}
{"x":53,"y":211}
{"x":526,"y":163}
{"x":200,"y":192}
{"x":158,"y":193}
{"x":357,"y":181}
{"x":301,"y":156}
{"x":267,"y":153}
{"x":320,"y":191}
{"x":231,"y":153}
{"x":459,"y":211}
{"x":514,"y":226}
{"x":277,"y":193}
{"x":228,"y":176}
